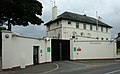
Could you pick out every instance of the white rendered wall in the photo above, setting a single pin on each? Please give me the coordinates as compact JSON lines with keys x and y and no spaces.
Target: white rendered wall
{"x":68,"y":29}
{"x":93,"y":50}
{"x":18,"y":51}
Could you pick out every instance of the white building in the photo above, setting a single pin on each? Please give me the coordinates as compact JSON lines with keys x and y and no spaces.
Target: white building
{"x":73,"y":37}
{"x":89,"y":38}
{"x":71,"y":25}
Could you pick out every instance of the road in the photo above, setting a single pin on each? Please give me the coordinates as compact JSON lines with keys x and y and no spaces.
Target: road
{"x":107,"y":69}
{"x":72,"y":67}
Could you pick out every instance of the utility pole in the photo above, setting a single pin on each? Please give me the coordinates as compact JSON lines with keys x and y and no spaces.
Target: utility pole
{"x":97,"y":24}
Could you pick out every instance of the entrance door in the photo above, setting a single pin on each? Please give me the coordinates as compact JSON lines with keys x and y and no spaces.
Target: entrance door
{"x":60,"y":50}
{"x":35,"y":55}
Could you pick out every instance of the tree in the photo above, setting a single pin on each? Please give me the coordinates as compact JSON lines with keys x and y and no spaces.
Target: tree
{"x":20,"y":12}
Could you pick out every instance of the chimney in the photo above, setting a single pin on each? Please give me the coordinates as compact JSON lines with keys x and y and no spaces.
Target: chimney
{"x":54,"y":13}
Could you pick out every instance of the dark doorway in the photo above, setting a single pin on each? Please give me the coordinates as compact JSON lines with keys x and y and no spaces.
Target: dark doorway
{"x":60,"y":49}
{"x":35,"y":55}
{"x":118,"y":47}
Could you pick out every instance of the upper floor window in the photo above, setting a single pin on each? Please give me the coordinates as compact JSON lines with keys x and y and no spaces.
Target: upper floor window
{"x":69,"y":22}
{"x":106,"y":38}
{"x":102,"y":38}
{"x":97,"y":28}
{"x":77,"y":25}
{"x":91,"y":27}
{"x":84,"y":26}
{"x":106,"y":29}
{"x":101,"y":29}
{"x":59,"y":36}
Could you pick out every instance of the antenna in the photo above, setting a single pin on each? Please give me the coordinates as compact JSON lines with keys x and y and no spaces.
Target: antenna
{"x":53,"y":2}
{"x":97,"y":23}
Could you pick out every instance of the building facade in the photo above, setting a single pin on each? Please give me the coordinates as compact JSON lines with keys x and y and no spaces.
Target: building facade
{"x":70,"y":25}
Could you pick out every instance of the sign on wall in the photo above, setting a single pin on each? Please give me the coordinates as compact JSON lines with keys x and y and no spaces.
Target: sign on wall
{"x":48,"y":49}
{"x":78,"y":49}
{"x":74,"y":49}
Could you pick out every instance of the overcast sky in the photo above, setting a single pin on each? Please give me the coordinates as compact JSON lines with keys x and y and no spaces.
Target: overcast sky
{"x":109,"y":10}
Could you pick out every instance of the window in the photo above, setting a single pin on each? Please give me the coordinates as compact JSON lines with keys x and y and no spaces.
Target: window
{"x":101,"y":29}
{"x":82,"y":34}
{"x":97,"y":38}
{"x":89,"y":35}
{"x":73,"y":36}
{"x":84,"y":26}
{"x":59,"y":36}
{"x":77,"y":25}
{"x":69,"y":22}
{"x":91,"y":27}
{"x":74,"y":33}
{"x":106,"y":29}
{"x":97,"y":28}
{"x":106,"y":38}
{"x":102,"y":38}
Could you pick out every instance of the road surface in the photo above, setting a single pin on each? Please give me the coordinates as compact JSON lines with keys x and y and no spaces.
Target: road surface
{"x":107,"y":69}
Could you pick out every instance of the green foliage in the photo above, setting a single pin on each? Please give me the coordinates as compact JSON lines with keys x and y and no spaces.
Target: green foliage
{"x":118,"y":51}
{"x":20,"y":12}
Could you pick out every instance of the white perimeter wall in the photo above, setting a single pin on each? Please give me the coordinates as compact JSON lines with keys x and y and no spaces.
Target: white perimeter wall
{"x":93,"y":50}
{"x":18,"y":51}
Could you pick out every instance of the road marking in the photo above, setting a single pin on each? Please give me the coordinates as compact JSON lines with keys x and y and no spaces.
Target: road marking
{"x":113,"y":72}
{"x":57,"y":66}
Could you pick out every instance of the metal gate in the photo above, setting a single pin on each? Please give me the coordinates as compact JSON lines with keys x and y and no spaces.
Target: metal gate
{"x":118,"y":47}
{"x":60,"y":49}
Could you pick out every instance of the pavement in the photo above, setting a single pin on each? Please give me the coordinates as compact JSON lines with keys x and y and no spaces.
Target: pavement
{"x":41,"y":68}
{"x":98,"y":63}
{"x":59,"y":66}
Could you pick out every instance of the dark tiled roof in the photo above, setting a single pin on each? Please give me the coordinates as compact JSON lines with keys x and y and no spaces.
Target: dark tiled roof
{"x":79,"y":18}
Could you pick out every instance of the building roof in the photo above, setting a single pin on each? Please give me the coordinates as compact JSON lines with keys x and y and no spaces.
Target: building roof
{"x":78,"y":18}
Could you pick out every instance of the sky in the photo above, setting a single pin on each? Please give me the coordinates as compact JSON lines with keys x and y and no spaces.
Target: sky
{"x":108,"y":10}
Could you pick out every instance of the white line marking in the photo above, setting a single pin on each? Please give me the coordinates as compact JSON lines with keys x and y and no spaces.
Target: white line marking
{"x":57,"y":66}
{"x":112,"y":72}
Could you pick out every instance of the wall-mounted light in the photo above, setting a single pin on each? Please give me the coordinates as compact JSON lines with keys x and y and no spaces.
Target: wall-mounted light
{"x":47,"y":39}
{"x":112,"y":40}
{"x":6,"y":36}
